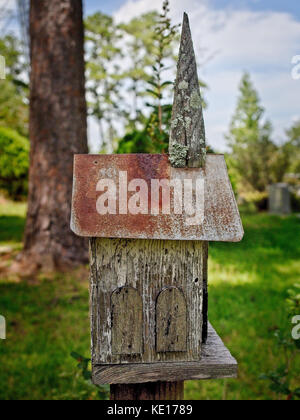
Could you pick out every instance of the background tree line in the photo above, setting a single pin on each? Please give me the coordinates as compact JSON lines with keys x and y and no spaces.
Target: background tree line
{"x":255,"y":159}
{"x":129,"y":69}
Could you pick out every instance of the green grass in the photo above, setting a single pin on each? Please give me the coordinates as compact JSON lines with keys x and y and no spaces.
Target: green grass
{"x":48,"y":316}
{"x":12,"y":222}
{"x":248,"y":288}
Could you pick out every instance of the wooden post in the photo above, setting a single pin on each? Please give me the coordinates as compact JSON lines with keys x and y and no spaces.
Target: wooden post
{"x":187,"y":149}
{"x":155,"y":391}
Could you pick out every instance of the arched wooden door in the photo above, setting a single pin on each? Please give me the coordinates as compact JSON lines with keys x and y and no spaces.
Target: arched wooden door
{"x":171,"y":321}
{"x":127,"y":321}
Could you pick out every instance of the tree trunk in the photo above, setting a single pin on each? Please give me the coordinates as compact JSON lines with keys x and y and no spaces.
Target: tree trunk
{"x":58,"y":130}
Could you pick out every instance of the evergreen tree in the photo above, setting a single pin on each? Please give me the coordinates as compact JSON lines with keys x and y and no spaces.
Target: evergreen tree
{"x":293,"y":146}
{"x":253,"y":154}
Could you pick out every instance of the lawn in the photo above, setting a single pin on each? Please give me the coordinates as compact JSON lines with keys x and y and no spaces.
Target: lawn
{"x":47,"y":317}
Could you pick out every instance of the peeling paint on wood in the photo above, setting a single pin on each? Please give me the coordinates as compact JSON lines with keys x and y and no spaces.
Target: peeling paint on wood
{"x":221,"y":216}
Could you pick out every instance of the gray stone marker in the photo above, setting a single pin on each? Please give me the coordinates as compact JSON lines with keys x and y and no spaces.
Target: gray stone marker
{"x":279,"y":199}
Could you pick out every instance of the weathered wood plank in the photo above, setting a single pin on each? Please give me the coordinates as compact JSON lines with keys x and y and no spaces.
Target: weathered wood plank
{"x":216,"y":363}
{"x":205,"y":292}
{"x":149,"y":266}
{"x":154,"y":391}
{"x":187,"y":137}
{"x":171,"y":321}
{"x":127,"y":321}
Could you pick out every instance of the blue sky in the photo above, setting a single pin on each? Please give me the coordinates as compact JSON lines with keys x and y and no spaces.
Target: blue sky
{"x":289,"y":6}
{"x":106,"y":6}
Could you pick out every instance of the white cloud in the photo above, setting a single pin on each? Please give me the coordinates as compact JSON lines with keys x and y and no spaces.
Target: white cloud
{"x":8,"y":3}
{"x":260,"y":42}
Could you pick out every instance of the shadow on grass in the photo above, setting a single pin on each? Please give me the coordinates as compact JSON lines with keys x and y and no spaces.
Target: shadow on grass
{"x":11,"y":228}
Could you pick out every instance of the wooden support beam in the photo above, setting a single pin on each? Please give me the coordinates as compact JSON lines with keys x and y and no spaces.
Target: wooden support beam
{"x":216,"y":363}
{"x":156,"y":391}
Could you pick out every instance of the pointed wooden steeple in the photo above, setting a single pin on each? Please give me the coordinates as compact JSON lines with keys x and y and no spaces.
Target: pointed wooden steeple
{"x":187,"y":137}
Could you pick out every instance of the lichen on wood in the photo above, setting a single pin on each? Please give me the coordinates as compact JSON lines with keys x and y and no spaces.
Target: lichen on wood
{"x":187,"y":136}
{"x":179,"y":155}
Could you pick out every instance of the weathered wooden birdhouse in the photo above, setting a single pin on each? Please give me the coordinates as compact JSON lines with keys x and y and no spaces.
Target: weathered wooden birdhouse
{"x":149,"y":219}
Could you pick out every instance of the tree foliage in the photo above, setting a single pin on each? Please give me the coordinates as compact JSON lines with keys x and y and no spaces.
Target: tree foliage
{"x":149,"y":139}
{"x":283,"y":379}
{"x":13,"y":92}
{"x":165,"y":40}
{"x":292,"y":147}
{"x":139,"y":34}
{"x":153,"y":137}
{"x":125,"y":66}
{"x":14,"y":145}
{"x":130,"y":71}
{"x":14,"y":163}
{"x":255,"y":158}
{"x":103,"y":73}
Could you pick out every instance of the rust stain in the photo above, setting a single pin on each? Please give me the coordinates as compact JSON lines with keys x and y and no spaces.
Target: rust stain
{"x":221,"y":216}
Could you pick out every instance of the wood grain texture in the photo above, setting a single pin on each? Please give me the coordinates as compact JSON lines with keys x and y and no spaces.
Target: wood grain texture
{"x":187,"y":125}
{"x":126,"y":321}
{"x":149,"y":266}
{"x":155,"y":391}
{"x":205,"y":292}
{"x":216,"y":363}
{"x":171,"y":321}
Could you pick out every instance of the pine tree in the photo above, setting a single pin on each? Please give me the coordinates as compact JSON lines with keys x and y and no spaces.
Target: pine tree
{"x":293,"y":147}
{"x":253,"y":153}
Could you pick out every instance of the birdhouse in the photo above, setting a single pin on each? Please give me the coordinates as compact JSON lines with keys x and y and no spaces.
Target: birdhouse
{"x":149,"y":219}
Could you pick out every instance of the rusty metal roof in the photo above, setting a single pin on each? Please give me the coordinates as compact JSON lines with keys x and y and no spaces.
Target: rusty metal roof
{"x":221,"y":216}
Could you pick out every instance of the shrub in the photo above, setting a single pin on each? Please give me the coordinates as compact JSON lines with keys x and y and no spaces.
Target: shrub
{"x":14,"y":163}
{"x":257,"y":199}
{"x":295,"y":199}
